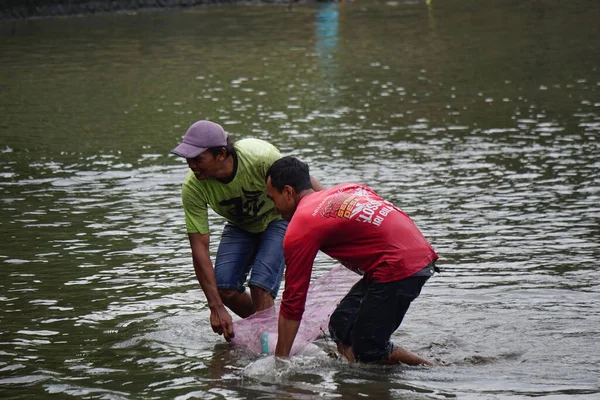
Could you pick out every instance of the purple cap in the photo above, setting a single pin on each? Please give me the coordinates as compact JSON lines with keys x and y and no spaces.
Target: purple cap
{"x":201,"y":136}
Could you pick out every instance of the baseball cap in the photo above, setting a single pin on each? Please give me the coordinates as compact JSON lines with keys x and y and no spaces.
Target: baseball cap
{"x":199,"y":137}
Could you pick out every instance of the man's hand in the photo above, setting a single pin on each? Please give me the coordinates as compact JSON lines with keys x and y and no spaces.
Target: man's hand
{"x":221,"y":322}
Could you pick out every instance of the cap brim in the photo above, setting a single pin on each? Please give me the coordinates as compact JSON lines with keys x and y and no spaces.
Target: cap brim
{"x":188,"y":151}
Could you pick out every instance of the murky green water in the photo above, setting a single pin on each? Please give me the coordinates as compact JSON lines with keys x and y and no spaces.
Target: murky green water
{"x":480,"y":119}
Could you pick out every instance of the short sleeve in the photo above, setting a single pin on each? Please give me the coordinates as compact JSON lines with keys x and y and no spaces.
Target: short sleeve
{"x":196,"y":211}
{"x":272,"y":154}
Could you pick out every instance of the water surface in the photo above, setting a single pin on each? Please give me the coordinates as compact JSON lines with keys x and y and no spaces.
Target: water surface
{"x":480,"y":119}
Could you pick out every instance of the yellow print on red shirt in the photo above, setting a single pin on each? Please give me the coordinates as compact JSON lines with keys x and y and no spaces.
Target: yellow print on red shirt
{"x":360,"y":206}
{"x":340,"y":206}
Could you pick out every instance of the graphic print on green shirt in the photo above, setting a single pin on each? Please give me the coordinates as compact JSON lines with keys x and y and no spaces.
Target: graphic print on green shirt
{"x":243,"y":200}
{"x":243,"y":209}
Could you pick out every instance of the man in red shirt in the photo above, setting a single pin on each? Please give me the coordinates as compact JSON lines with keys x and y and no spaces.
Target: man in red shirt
{"x":366,"y":234}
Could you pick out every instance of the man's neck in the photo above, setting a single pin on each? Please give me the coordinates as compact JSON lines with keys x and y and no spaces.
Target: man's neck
{"x":225,"y":173}
{"x":302,"y":194}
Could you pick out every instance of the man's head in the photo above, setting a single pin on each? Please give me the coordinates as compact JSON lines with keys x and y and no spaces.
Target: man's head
{"x":205,"y":146}
{"x":286,"y":179}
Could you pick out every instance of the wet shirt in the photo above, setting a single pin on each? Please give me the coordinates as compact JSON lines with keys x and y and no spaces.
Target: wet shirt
{"x":352,"y":224}
{"x":243,"y":200}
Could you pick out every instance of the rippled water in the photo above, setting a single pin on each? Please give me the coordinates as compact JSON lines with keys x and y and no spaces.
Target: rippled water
{"x":482,"y":121}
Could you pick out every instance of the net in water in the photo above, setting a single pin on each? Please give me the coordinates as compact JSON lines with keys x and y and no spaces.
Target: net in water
{"x":259,"y":331}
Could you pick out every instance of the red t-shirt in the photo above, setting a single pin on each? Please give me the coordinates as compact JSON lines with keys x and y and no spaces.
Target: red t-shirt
{"x":352,"y":224}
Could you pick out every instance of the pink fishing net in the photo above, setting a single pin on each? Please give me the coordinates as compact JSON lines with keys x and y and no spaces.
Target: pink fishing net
{"x":259,"y":331}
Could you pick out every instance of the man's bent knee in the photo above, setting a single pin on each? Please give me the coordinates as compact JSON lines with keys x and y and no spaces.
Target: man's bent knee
{"x":228,"y":294}
{"x":260,"y":291}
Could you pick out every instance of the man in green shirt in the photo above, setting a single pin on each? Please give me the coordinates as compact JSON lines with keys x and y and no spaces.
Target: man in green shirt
{"x":230,"y":178}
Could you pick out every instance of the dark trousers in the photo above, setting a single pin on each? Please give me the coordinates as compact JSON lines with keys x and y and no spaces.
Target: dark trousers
{"x":368,"y":315}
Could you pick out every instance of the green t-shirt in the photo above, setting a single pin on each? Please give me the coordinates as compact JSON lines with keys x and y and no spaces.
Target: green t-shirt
{"x":243,"y":201}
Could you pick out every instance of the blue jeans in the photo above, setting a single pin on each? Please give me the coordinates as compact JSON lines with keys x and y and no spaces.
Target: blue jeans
{"x":260,"y":254}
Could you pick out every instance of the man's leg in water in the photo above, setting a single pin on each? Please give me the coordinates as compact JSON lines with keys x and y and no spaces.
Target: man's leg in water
{"x":240,"y":303}
{"x":398,"y":356}
{"x":234,"y":256}
{"x":401,"y":356}
{"x":342,"y":319}
{"x":380,"y":314}
{"x":268,"y":266}
{"x":260,"y":298}
{"x":346,"y":351}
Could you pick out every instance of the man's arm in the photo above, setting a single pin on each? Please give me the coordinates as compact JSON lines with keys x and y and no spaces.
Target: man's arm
{"x":316,"y":185}
{"x":287,"y":330}
{"x":220,"y":320}
{"x":300,"y":251}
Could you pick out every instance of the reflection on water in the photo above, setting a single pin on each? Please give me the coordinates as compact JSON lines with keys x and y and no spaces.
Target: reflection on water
{"x":486,"y":136}
{"x":327,"y":21}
